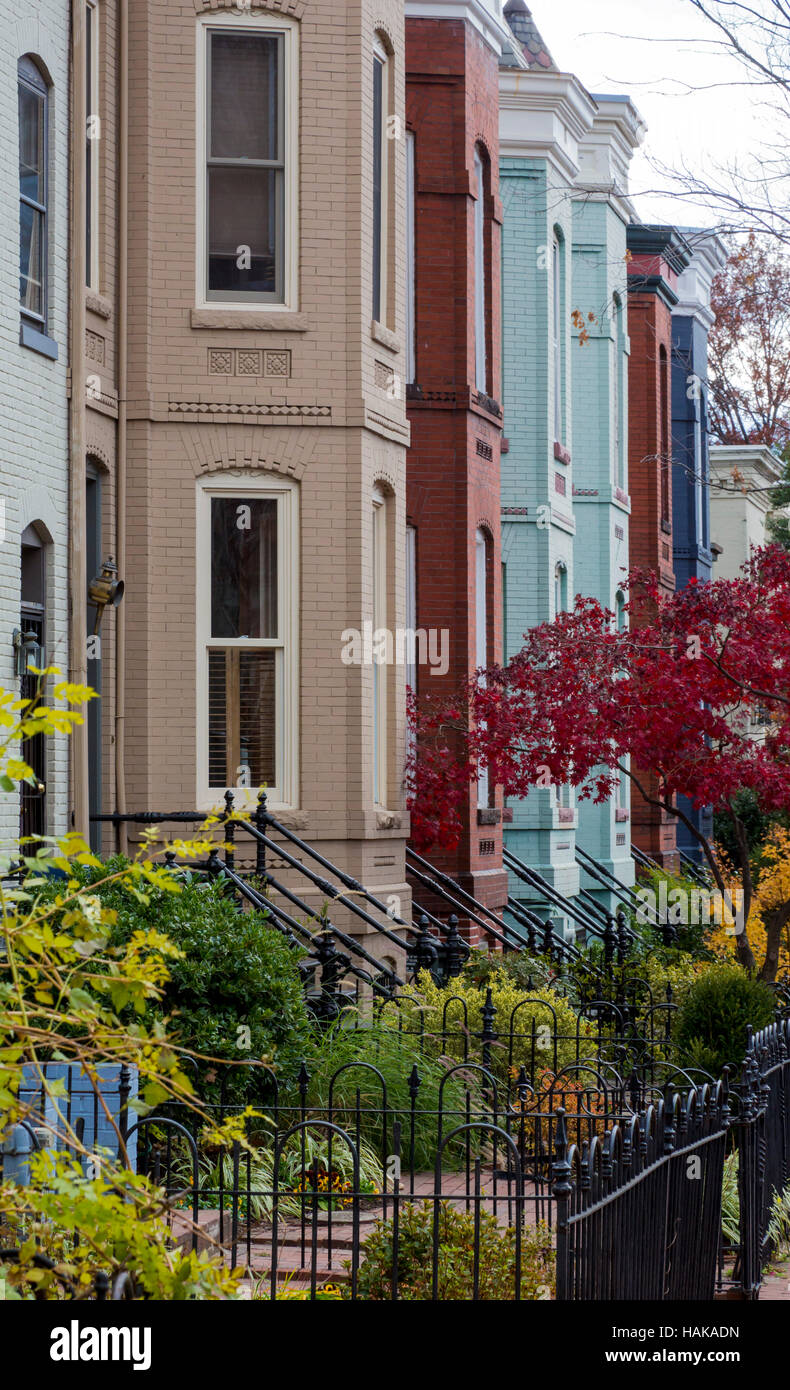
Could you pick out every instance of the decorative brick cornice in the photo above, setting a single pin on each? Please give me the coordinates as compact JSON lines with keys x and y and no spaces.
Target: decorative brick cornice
{"x":244,"y":409}
{"x":232,"y":450}
{"x":294,"y":9}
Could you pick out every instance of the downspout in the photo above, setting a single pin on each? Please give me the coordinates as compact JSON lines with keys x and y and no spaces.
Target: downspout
{"x":123,"y":372}
{"x":78,"y":578}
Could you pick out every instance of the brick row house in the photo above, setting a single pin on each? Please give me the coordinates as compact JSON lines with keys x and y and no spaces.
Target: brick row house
{"x":300,"y":362}
{"x":454,"y":378}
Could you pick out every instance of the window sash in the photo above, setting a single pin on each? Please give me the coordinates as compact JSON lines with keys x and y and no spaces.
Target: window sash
{"x":556,"y":315}
{"x":380,"y":173}
{"x":33,"y":230}
{"x":92,"y":146}
{"x":246,"y":688}
{"x":481,"y":326}
{"x":270,"y":239}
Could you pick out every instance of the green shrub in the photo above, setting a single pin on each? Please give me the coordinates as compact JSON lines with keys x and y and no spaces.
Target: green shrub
{"x":712,"y":1022}
{"x":497,"y":1258}
{"x":236,"y":973}
{"x":541,"y":1006}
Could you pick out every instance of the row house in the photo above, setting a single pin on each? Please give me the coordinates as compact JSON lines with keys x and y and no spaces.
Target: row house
{"x":564,"y":157}
{"x":605,"y":358}
{"x":544,"y":115}
{"x":245,"y":428}
{"x":657,"y":257}
{"x":35,"y":353}
{"x":692,"y":320}
{"x":453,"y":350}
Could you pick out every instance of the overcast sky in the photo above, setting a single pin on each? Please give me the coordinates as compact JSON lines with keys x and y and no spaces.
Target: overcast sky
{"x":656,"y":50}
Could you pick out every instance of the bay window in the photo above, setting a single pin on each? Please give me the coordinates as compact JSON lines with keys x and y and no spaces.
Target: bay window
{"x":247,"y":231}
{"x":246,"y":641}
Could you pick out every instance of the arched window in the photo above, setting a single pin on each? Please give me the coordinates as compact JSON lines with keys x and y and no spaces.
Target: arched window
{"x":481,"y":287}
{"x":382,"y":112}
{"x":663,"y":405}
{"x":557,"y":333}
{"x":33,"y":94}
{"x":618,"y":393}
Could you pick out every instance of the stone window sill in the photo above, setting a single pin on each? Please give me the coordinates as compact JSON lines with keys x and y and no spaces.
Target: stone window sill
{"x":385,"y":336}
{"x":37,"y":341}
{"x":255,"y":320}
{"x":561,"y":454}
{"x":98,"y":304}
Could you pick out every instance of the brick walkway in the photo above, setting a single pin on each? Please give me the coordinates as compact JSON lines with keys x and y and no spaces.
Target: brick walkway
{"x":776,"y":1283}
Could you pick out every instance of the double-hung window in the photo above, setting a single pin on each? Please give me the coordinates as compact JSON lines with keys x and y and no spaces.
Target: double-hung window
{"x":92,"y":144}
{"x":33,"y":191}
{"x":380,"y":173}
{"x":247,"y":604}
{"x":246,"y":250}
{"x":481,"y":289}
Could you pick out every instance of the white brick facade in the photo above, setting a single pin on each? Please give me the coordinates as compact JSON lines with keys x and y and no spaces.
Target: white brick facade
{"x":34,"y":417}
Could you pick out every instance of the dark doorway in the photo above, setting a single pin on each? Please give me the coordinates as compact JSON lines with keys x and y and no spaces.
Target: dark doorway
{"x":33,"y":799}
{"x":93,"y":560}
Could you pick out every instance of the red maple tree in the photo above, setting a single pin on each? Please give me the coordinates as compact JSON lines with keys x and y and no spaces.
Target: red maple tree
{"x":696,"y":690}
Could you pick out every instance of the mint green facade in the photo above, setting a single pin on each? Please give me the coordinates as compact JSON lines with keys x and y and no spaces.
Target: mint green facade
{"x":537,"y":487}
{"x":601,"y":505}
{"x":565,"y":508}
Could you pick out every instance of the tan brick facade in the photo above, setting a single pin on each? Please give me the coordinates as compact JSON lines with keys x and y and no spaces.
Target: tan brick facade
{"x":309,"y":394}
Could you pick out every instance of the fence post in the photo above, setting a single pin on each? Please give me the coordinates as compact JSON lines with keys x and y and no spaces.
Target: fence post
{"x":488,"y":1034}
{"x":260,"y":820}
{"x":124,"y":1091}
{"x":453,"y":947}
{"x":562,"y":1188}
{"x":230,"y":831}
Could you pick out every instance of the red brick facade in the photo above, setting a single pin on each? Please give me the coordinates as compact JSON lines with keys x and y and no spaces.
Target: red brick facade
{"x":658,"y":254}
{"x":453,"y":464}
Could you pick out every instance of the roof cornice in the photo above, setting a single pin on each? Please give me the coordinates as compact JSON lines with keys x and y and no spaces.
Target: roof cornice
{"x":484,"y":15}
{"x":567,"y":108}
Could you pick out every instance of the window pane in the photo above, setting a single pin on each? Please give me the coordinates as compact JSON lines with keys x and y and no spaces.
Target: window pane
{"x":243,"y":567}
{"x":378,"y":161}
{"x":242,"y":718}
{"x":245,"y":229}
{"x":245,"y":96}
{"x":31,"y":226}
{"x":31,"y":144}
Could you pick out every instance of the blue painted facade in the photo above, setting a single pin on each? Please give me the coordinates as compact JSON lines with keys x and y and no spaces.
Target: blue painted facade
{"x":693,"y":558}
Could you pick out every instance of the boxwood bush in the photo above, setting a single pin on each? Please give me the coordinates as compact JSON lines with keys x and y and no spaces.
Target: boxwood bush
{"x":237,"y":972}
{"x":713,"y":1018}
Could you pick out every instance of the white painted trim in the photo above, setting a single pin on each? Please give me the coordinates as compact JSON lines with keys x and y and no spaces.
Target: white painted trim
{"x":484,"y":15}
{"x":285,"y":793}
{"x":289,"y":29}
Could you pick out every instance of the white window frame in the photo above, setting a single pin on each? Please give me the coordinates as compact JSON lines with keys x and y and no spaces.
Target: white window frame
{"x":481,"y":318}
{"x":378,"y":567}
{"x":289,"y":29}
{"x":285,"y":792}
{"x":92,"y":93}
{"x":411,"y":261}
{"x":557,"y":265}
{"x":380,"y":55}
